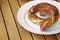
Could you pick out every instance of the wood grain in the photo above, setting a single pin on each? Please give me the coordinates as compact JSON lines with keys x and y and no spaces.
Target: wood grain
{"x":25,"y":35}
{"x":58,"y":0}
{"x":10,"y":24}
{"x":3,"y":34}
{"x":21,"y":2}
{"x":58,"y":36}
{"x":38,"y":37}
{"x":50,"y":37}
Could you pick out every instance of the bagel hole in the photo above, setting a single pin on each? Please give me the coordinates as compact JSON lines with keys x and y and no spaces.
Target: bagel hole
{"x":40,"y":16}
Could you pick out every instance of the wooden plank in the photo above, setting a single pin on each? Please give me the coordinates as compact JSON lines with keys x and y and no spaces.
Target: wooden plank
{"x":35,"y":36}
{"x":0,"y":2}
{"x":58,"y":36}
{"x":58,"y":0}
{"x":38,"y":37}
{"x":3,"y":34}
{"x":10,"y":24}
{"x":25,"y":35}
{"x":21,"y":2}
{"x":50,"y":37}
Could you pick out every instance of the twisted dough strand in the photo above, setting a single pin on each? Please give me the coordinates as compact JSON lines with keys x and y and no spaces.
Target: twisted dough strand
{"x":43,"y":8}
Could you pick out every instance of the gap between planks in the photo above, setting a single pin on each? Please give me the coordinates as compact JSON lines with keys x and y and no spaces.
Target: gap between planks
{"x":14,"y":20}
{"x":14,"y":7}
{"x":11,"y":28}
{"x":3,"y":34}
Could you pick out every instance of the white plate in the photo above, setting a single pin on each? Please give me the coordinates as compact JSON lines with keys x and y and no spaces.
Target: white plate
{"x":34,"y":28}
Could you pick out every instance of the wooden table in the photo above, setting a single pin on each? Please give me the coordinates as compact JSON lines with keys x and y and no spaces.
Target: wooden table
{"x":10,"y":29}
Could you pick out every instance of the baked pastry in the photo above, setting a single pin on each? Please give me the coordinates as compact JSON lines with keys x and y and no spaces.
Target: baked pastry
{"x":43,"y":9}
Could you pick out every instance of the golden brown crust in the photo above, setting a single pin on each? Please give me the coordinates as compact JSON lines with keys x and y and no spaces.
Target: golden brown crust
{"x":43,"y":8}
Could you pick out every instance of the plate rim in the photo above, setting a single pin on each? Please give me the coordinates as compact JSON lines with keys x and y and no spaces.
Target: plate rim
{"x":28,"y":30}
